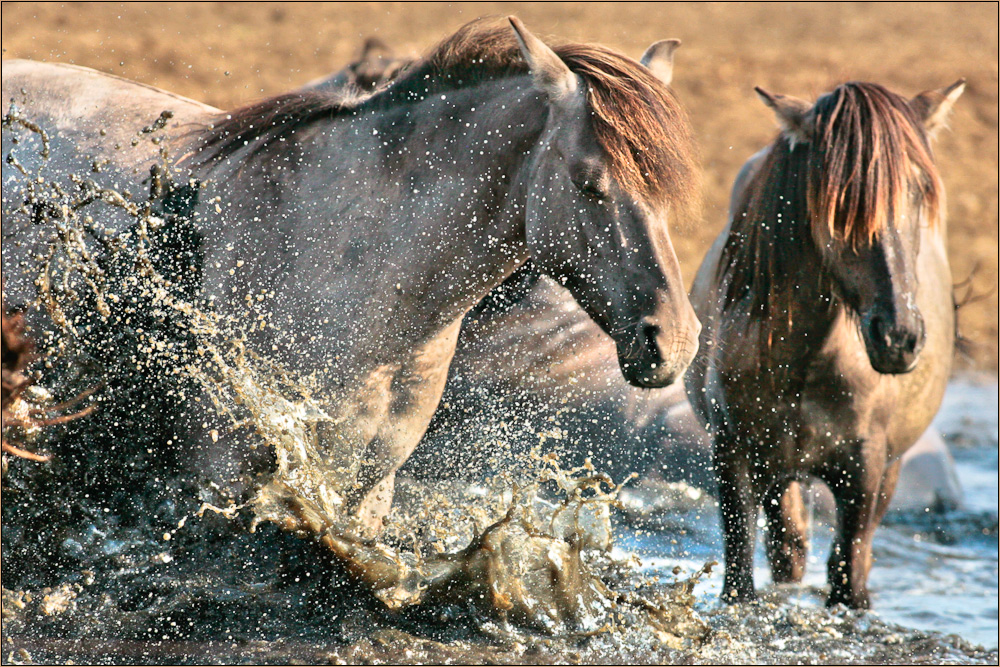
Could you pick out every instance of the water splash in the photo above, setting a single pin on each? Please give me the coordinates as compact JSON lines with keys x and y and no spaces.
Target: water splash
{"x":521,"y":559}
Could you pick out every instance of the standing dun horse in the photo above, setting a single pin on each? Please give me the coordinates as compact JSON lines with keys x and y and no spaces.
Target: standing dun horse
{"x":828,"y":325}
{"x":363,"y":228}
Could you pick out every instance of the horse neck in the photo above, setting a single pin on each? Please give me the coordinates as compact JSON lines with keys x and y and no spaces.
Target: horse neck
{"x":479,"y":141}
{"x":441,"y":184}
{"x":803,"y":304}
{"x":797,"y":330}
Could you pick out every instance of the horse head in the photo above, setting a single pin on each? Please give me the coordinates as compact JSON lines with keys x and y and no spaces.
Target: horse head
{"x":870,"y":187}
{"x":614,"y":157}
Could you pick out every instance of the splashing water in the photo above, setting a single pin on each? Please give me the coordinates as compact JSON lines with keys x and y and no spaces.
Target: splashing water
{"x":520,"y":558}
{"x":531,"y":549}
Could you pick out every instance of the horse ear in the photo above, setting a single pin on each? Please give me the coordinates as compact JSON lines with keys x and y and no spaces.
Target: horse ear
{"x":934,"y":106}
{"x":374,"y":48}
{"x":550,"y":73}
{"x":659,"y":59}
{"x":792,"y":113}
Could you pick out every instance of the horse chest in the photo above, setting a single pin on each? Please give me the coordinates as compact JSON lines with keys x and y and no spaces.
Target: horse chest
{"x":798,"y":430}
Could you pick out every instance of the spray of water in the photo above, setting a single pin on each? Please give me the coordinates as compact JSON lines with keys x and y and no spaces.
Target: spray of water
{"x":527,"y":558}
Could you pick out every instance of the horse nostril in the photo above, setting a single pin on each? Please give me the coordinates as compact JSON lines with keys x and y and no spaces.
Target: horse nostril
{"x":904,"y":340}
{"x":913,"y":341}
{"x":880,"y":331}
{"x":649,"y":333}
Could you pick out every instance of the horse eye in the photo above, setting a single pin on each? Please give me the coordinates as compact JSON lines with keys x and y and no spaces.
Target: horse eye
{"x":592,"y":189}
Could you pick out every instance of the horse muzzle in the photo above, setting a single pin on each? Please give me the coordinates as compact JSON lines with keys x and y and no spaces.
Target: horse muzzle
{"x":656,"y":358}
{"x":893,"y":347}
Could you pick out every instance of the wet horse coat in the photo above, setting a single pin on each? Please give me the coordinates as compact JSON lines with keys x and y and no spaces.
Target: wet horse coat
{"x":529,"y":349}
{"x":360,"y":230}
{"x":828,"y":325}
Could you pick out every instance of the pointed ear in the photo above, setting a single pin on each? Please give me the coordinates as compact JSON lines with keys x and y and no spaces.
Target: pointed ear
{"x":792,"y":114}
{"x":934,"y":106}
{"x":551,"y":74}
{"x":373,"y":49}
{"x":659,"y":59}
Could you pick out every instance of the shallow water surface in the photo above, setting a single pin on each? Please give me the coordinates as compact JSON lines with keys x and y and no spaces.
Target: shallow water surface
{"x":932,"y":571}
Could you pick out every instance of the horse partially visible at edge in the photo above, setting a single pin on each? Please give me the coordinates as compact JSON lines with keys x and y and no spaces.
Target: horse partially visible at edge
{"x":829,"y":325}
{"x":375,"y":65}
{"x":360,"y":229}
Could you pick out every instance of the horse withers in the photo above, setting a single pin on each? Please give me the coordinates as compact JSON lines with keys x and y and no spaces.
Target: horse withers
{"x":829,"y":325}
{"x":363,"y":228}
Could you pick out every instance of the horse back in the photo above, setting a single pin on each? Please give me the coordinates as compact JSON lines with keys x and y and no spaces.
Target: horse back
{"x":90,"y":115}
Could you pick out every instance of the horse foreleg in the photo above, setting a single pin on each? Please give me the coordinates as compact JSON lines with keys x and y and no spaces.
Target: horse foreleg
{"x":856,"y":484}
{"x":738,"y":505}
{"x":370,"y":499}
{"x":887,"y":489}
{"x":374,"y":506}
{"x":786,"y":532}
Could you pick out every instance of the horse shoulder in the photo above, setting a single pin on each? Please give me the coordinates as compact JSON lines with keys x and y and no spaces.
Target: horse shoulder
{"x":704,"y":289}
{"x":922,"y":390}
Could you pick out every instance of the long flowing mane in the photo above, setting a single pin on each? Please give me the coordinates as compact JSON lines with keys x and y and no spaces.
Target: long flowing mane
{"x":865,"y":153}
{"x":636,"y":118}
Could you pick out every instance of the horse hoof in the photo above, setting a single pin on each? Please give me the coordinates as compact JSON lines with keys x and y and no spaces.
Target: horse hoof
{"x":856,"y":601}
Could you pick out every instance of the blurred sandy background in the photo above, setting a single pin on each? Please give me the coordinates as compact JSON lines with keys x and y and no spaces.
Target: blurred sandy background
{"x":229,"y":53}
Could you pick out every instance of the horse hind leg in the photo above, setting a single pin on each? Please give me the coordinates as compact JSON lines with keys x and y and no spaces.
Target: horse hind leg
{"x":787,"y":545}
{"x":857,"y":486}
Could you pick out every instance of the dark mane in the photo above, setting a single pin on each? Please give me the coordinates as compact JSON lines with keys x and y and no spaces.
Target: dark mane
{"x":637,"y":120}
{"x":865,"y":152}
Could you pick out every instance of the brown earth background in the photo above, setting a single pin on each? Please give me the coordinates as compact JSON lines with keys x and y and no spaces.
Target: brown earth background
{"x":229,"y":53}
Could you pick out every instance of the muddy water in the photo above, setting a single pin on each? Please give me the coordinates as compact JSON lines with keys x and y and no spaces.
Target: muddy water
{"x":110,"y":553}
{"x":121,"y":310}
